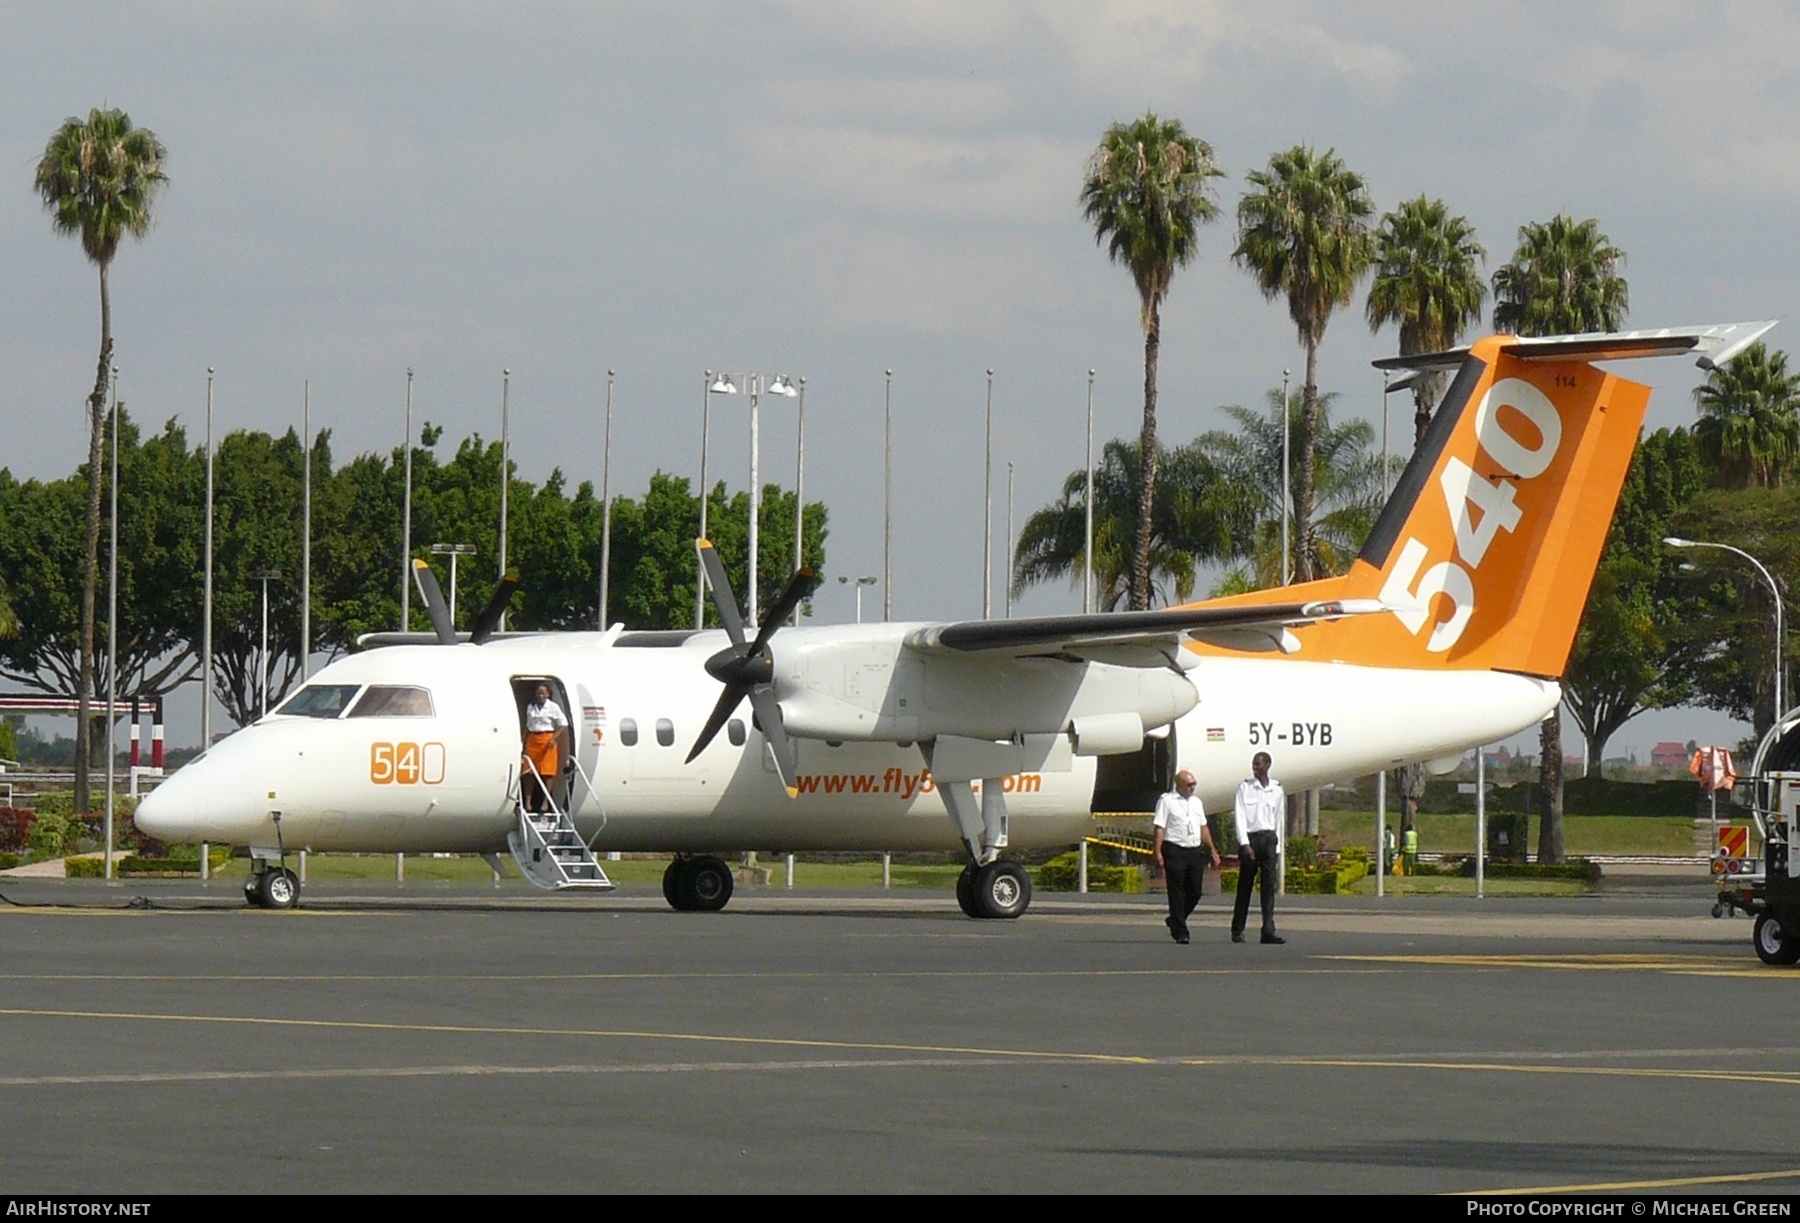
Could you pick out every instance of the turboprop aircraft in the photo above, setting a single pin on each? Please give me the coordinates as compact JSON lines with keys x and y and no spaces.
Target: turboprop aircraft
{"x":1448,"y":632}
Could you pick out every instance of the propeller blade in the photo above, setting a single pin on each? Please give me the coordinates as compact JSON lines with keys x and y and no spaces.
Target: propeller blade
{"x":427,"y":583}
{"x":768,"y":715}
{"x":728,"y":703}
{"x":797,"y":589}
{"x":489,"y":619}
{"x":723,"y":598}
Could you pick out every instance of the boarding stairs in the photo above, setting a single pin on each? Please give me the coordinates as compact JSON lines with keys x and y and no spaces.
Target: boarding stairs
{"x":548,"y":847}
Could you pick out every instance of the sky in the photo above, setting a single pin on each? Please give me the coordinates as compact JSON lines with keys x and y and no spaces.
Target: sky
{"x":831,"y":191}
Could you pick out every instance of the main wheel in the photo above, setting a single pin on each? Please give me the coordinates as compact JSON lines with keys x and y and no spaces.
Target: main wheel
{"x":672,"y":883}
{"x":965,"y":891}
{"x":705,"y":885}
{"x":1002,"y":889}
{"x":1774,"y":945}
{"x":278,"y":888}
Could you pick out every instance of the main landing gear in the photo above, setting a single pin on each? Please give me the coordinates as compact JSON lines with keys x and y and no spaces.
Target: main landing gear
{"x":271,"y":886}
{"x":697,"y":885}
{"x":999,"y":889}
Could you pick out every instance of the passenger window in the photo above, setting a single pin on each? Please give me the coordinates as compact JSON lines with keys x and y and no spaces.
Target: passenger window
{"x":628,"y":731}
{"x":392,"y":701}
{"x":734,"y":730}
{"x":318,"y":701}
{"x":665,"y":732}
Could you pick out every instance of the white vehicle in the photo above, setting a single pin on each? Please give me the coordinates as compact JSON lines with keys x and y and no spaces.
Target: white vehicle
{"x":1448,"y":632}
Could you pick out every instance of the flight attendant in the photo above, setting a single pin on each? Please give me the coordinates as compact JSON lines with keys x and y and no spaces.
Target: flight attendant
{"x":546,"y":739}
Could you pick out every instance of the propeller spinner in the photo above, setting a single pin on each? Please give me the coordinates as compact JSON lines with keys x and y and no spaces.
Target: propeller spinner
{"x":748,"y":669}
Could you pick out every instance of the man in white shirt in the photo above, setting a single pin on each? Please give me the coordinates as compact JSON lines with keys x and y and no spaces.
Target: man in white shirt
{"x":1258,"y":811}
{"x":1183,"y":849}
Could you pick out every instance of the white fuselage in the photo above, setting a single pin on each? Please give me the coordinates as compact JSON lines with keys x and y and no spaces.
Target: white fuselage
{"x":447,"y":781}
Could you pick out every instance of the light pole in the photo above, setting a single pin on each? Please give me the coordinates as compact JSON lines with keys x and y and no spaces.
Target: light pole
{"x":987,"y":508}
{"x":755,"y":385}
{"x":206,"y":598}
{"x":453,"y":551}
{"x":112,"y":627}
{"x":799,"y":485}
{"x":1774,"y":591}
{"x":705,"y":428}
{"x":306,"y":531}
{"x":887,"y":497}
{"x":1087,"y":537}
{"x":406,"y":515}
{"x":1286,"y":500}
{"x":505,"y":466}
{"x":867,"y":580}
{"x":606,"y":504}
{"x":265,"y":576}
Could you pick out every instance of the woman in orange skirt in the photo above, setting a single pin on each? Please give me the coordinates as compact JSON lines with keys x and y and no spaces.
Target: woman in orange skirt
{"x":546,"y":725}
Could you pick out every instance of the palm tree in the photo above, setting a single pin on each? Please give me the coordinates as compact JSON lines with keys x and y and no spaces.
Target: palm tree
{"x":98,"y":179}
{"x":1199,"y":516}
{"x":1347,"y":486}
{"x":1428,"y":281}
{"x":1749,"y":426}
{"x":1147,"y":192}
{"x":1563,"y":279}
{"x":1303,"y":232}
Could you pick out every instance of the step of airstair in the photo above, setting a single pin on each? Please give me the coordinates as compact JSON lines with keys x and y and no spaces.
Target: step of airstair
{"x":551,"y":853}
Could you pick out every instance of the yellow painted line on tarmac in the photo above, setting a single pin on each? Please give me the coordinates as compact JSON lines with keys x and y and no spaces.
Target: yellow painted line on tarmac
{"x":781,"y":1042}
{"x":1599,"y":962}
{"x":478,"y":1071}
{"x":775,"y":975}
{"x":1674,"y":1182}
{"x":1771,"y":1077}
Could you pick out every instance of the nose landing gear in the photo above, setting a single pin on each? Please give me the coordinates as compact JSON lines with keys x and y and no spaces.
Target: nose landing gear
{"x":271,"y":886}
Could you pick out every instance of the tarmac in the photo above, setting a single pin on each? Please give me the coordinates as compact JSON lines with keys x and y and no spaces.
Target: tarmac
{"x":160,"y":1037}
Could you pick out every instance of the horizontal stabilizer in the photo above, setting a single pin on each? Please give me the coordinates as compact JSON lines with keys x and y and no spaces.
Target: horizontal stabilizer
{"x":1712,"y":346}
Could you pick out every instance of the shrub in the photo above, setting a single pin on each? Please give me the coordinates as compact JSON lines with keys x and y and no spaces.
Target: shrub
{"x":84,"y":868}
{"x":15,"y":826}
{"x":48,"y":835}
{"x":8,"y":861}
{"x":1574,"y":868}
{"x":56,"y":802}
{"x":1062,"y":874}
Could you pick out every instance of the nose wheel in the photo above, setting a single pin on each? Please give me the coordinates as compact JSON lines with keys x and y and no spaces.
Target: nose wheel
{"x":272,"y":887}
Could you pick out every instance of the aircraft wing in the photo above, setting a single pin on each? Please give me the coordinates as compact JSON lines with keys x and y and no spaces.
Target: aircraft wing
{"x":1144,"y":638}
{"x":1713,"y":345}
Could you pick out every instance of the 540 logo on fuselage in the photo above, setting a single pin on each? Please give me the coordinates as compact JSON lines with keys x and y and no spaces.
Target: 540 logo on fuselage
{"x":1466,"y":494}
{"x":406,"y":764}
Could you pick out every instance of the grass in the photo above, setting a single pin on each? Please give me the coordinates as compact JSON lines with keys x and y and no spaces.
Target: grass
{"x":1651,"y":835}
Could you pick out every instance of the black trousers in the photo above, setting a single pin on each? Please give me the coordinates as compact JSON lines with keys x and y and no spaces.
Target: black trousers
{"x":1184,"y":870}
{"x":1264,"y":843}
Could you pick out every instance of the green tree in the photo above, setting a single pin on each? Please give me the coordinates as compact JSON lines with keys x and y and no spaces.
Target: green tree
{"x":1629,"y":653}
{"x":1303,"y":233}
{"x":1428,"y":282}
{"x":1199,"y":515}
{"x":1346,"y":481}
{"x":1147,"y":192}
{"x":1749,"y":427}
{"x":1563,"y":279}
{"x":98,"y":178}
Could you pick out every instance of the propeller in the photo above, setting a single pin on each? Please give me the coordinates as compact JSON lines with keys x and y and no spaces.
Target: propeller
{"x":485,"y":624}
{"x":748,"y":669}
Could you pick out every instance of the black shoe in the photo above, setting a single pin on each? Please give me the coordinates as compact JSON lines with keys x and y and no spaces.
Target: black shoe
{"x":1182,"y":939}
{"x":1270,"y":937}
{"x":1237,"y":936}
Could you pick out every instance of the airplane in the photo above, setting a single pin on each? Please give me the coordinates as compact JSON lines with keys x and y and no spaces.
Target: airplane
{"x":1448,"y":632}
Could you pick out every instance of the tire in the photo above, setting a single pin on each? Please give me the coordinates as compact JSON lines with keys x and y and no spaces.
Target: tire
{"x":278,"y":888}
{"x":1773,"y":944}
{"x":705,"y":885}
{"x":1002,"y":890}
{"x":672,"y":883}
{"x":253,"y":891}
{"x":965,"y":891}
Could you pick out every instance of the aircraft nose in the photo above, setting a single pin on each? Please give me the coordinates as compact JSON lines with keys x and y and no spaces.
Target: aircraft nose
{"x":209,"y":799}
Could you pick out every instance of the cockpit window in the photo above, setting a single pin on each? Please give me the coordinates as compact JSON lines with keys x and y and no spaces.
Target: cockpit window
{"x":392,"y":701}
{"x":319,"y":701}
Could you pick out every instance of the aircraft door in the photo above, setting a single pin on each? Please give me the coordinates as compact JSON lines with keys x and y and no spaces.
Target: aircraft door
{"x":525,"y":689}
